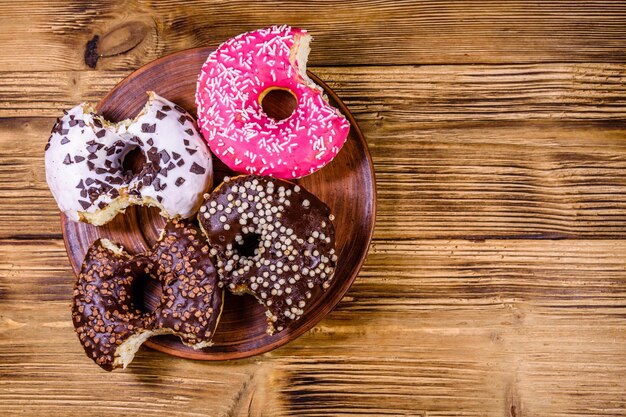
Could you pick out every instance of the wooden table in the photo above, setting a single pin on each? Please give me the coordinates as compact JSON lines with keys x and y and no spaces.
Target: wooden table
{"x":496,"y":283}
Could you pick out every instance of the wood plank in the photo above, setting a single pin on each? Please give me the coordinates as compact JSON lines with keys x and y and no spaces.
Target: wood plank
{"x":492,"y":327}
{"x":387,"y":95}
{"x":43,"y":370}
{"x":355,"y":33}
{"x":459,"y":151}
{"x":427,"y":274}
{"x":34,"y":93}
{"x":532,"y":180}
{"x":524,"y":179}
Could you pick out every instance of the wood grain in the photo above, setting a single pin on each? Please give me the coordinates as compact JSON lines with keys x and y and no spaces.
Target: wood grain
{"x":483,"y":326}
{"x":359,"y":32}
{"x":496,"y":282}
{"x":391,"y":94}
{"x":459,"y":151}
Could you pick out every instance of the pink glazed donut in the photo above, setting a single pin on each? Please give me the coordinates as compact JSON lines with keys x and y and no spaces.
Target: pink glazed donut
{"x":233,"y":82}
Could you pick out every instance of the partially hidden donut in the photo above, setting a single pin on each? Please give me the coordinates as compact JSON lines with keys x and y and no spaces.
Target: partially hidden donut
{"x":85,"y":155}
{"x":110,"y":326}
{"x":231,"y":86}
{"x":274,"y":240}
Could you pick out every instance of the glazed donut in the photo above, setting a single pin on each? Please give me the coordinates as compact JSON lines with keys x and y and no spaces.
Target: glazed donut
{"x":85,"y":154}
{"x":231,"y":86}
{"x":111,"y":328}
{"x":274,"y":240}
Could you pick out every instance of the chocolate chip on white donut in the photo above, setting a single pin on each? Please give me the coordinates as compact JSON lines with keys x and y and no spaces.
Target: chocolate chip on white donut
{"x":274,"y":240}
{"x":110,"y":326}
{"x":85,"y":155}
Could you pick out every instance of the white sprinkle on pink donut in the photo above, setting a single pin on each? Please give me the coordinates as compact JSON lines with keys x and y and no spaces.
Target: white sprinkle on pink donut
{"x":231,"y":85}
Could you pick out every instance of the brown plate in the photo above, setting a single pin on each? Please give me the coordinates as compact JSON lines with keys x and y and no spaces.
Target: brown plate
{"x":346,"y":185}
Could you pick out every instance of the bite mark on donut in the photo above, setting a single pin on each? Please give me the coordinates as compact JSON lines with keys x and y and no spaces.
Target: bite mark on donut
{"x":299,"y":58}
{"x":86,"y":149}
{"x":107,"y":320}
{"x":295,"y":258}
{"x":125,"y":353}
{"x":230,"y":88}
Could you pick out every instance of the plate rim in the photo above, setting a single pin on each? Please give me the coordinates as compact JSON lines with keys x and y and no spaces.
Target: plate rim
{"x":349,"y":281}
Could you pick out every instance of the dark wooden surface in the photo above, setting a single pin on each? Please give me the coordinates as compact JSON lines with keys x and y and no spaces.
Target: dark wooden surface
{"x":496,"y":281}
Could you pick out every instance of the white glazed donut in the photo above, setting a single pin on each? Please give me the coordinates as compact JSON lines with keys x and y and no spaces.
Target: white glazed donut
{"x":85,"y":154}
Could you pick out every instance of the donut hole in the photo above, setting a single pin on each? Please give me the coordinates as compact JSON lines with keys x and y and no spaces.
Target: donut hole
{"x":248,"y":245}
{"x":278,"y":103}
{"x":146,"y":293}
{"x":134,"y":160}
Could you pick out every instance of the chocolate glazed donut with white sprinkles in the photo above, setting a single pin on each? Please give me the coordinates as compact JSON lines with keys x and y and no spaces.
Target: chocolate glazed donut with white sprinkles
{"x":274,"y":240}
{"x":110,"y":326}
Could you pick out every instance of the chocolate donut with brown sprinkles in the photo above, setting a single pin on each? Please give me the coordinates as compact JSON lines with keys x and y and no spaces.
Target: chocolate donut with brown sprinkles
{"x":107,"y":320}
{"x":274,"y":240}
